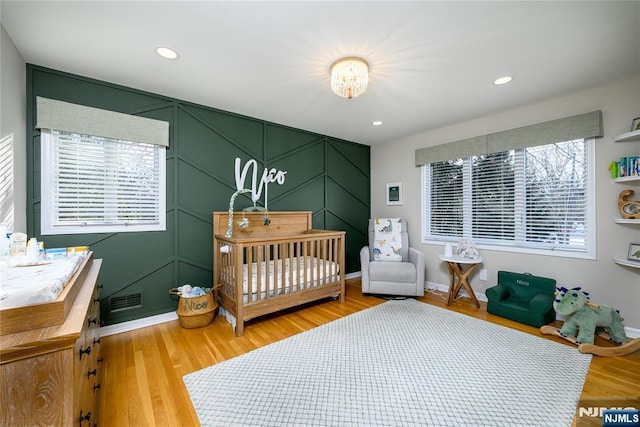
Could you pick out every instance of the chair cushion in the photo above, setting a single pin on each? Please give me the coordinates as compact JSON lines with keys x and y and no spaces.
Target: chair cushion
{"x":387,"y":239}
{"x":404,"y":238}
{"x":392,"y":272}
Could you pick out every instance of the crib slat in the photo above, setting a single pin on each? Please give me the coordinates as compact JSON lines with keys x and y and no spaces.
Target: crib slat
{"x":281,"y":273}
{"x":276,"y":270}
{"x":267,"y":276}
{"x":305,"y":254}
{"x":293,"y":281}
{"x":249,"y":261}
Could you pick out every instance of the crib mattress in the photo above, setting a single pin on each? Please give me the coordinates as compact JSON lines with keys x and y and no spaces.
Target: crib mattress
{"x":36,"y":284}
{"x":316,"y":271}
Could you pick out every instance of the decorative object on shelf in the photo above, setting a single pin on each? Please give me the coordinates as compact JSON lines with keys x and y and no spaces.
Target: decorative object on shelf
{"x":349,"y":77}
{"x":394,"y":193}
{"x":633,"y":166}
{"x":467,"y":249}
{"x":635,"y":124}
{"x":629,"y":209}
{"x":634,"y":252}
{"x":625,"y":167}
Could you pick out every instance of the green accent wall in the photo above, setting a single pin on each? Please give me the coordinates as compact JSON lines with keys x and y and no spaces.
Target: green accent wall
{"x":327,"y":176}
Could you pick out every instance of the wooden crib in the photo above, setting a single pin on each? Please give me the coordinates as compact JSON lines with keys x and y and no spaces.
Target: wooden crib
{"x":263,"y":269}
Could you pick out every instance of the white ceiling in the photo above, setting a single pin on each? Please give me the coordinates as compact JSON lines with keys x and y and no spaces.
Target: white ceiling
{"x":432,"y":63}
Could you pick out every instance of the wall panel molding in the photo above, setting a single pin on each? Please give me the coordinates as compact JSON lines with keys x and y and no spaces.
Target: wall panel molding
{"x":327,"y":176}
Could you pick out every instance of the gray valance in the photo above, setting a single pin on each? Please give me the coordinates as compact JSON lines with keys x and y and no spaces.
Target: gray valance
{"x":588,"y":125}
{"x":67,"y":117}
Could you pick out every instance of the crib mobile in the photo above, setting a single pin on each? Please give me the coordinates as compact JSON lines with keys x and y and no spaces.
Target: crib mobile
{"x":244,"y":222}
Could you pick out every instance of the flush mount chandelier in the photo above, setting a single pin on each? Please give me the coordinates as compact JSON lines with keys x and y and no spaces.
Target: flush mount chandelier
{"x":349,"y":77}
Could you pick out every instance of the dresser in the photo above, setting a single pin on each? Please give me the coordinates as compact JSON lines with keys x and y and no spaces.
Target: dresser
{"x":51,"y":375}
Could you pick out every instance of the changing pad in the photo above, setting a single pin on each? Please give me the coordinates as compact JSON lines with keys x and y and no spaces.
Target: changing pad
{"x":36,"y":284}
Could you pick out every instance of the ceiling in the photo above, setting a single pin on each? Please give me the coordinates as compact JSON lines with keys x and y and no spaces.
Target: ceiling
{"x":432,"y":63}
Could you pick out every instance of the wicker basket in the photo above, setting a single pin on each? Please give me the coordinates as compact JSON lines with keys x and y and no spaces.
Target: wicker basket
{"x":196,"y":312}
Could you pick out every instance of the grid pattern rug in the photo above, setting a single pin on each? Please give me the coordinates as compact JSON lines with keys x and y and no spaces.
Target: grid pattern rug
{"x":401,"y":363}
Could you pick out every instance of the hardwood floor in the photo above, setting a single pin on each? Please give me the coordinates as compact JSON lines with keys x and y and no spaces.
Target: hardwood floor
{"x":143,"y":369}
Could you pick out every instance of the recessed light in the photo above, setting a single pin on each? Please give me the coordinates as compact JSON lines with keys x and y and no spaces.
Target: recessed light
{"x":377,"y":123}
{"x":166,"y":52}
{"x":502,"y":80}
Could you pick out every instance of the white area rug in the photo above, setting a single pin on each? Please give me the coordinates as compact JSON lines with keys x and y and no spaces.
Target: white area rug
{"x":401,"y":363}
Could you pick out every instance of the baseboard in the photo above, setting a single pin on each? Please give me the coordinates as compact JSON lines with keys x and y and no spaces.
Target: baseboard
{"x":353,"y":275}
{"x":432,"y":286}
{"x":632,"y":332}
{"x":132,"y":325}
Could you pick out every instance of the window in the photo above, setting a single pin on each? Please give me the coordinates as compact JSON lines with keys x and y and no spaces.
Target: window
{"x":6,"y":181}
{"x":536,"y":199}
{"x":94,"y":184}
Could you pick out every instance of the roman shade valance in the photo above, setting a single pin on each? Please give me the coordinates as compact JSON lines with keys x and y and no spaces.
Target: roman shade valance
{"x":588,"y":125}
{"x":80,"y":119}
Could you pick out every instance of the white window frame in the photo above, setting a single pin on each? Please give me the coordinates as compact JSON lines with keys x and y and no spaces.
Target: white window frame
{"x":49,"y":218}
{"x":589,"y":251}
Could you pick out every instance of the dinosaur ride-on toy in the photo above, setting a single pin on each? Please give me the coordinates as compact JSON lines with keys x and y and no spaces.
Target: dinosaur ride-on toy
{"x":588,"y":320}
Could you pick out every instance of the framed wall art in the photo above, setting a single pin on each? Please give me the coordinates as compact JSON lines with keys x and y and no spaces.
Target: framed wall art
{"x":394,"y":193}
{"x":634,"y":252}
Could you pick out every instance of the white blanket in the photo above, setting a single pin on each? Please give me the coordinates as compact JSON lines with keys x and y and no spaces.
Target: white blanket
{"x":35,"y":284}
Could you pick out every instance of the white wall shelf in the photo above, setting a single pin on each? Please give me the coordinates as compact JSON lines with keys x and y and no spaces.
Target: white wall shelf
{"x":627,"y":179}
{"x":628,"y":136}
{"x":632,"y":136}
{"x":626,"y":221}
{"x":627,"y":262}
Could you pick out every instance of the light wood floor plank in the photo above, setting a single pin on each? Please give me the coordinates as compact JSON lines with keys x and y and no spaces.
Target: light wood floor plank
{"x":143,"y":369}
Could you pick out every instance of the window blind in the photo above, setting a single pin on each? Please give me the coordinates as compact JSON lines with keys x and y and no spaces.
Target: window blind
{"x":493,"y":198}
{"x":96,"y":183}
{"x":535,"y":197}
{"x":445,"y":210}
{"x":6,"y":181}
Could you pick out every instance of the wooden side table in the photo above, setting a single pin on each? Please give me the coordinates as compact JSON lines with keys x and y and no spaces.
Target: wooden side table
{"x":460,"y":268}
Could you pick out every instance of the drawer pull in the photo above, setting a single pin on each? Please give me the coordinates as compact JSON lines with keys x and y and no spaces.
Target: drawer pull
{"x":96,"y":387}
{"x":86,"y":417}
{"x":96,"y":300}
{"x":85,"y":351}
{"x":94,"y":321}
{"x":96,"y":341}
{"x":94,"y":372}
{"x":100,"y":359}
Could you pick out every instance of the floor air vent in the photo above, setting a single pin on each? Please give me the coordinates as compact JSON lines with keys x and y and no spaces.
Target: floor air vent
{"x":125,"y":302}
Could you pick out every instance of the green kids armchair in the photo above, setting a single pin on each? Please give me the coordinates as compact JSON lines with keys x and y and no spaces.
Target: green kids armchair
{"x":522,"y":297}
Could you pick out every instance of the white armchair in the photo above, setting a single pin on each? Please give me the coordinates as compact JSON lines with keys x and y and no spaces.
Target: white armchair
{"x":404,"y":277}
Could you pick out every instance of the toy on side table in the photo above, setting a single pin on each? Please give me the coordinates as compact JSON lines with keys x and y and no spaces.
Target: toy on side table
{"x":589,"y":319}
